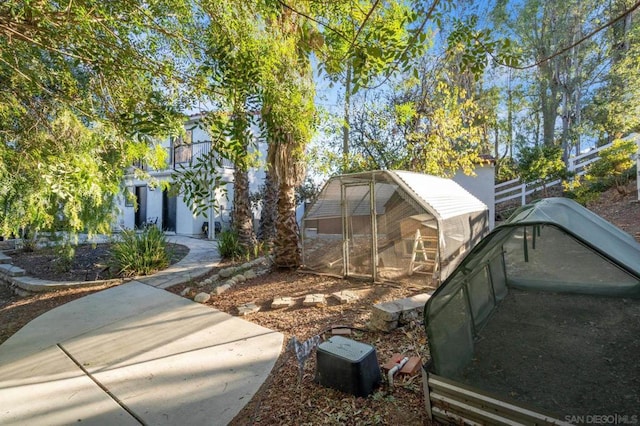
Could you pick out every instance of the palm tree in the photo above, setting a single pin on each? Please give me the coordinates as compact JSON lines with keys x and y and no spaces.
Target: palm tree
{"x":287,"y":112}
{"x":242,"y":215}
{"x":269,"y":213}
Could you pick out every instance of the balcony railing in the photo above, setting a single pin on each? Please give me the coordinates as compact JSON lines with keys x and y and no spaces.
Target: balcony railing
{"x":183,"y":154}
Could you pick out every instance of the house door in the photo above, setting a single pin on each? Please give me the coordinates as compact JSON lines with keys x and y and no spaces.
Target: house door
{"x":358,"y":230}
{"x":141,"y":201}
{"x":168,"y":212}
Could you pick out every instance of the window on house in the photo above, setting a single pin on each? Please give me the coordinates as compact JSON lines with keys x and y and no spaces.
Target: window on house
{"x":183,"y":147}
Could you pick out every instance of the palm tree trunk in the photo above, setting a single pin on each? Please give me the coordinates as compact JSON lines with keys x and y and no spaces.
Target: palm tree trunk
{"x":287,"y":252}
{"x":242,"y":215}
{"x":269,"y":214}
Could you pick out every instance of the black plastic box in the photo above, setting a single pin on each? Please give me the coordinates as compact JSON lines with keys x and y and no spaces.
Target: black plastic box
{"x":348,"y":366}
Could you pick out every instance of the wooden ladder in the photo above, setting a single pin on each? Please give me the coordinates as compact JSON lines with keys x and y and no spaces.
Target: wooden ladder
{"x":428,"y":254}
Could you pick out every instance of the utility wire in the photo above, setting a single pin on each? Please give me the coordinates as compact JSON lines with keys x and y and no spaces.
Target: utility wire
{"x":569,"y":47}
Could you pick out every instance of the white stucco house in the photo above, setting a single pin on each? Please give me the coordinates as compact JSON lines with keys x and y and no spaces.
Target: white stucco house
{"x":171,"y":213}
{"x":481,"y":185}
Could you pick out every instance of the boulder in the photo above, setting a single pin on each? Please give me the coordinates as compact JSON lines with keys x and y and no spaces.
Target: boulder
{"x":202,"y":297}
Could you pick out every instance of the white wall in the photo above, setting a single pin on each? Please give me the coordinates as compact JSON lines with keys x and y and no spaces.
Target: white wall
{"x":482,"y":186}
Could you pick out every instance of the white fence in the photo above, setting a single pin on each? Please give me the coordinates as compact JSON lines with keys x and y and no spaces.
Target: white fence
{"x":516,"y":189}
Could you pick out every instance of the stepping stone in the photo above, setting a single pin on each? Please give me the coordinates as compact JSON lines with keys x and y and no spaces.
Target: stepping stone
{"x":11,"y":270}
{"x":387,"y":316}
{"x":340,"y":331}
{"x":4,"y":258}
{"x":282,"y":302}
{"x":202,"y":297}
{"x":314,"y":300}
{"x":248,"y":308}
{"x":345,"y":296}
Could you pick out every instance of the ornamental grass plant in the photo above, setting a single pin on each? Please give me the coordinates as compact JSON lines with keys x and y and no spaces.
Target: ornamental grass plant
{"x":140,"y":253}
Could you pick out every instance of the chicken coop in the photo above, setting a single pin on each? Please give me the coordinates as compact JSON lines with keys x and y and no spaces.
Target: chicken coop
{"x":383,"y":225}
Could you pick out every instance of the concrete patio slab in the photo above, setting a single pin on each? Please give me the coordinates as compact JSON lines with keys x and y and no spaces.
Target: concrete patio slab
{"x":133,"y":354}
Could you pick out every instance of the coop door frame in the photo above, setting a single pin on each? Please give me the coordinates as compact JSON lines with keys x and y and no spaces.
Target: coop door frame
{"x":347,"y":229}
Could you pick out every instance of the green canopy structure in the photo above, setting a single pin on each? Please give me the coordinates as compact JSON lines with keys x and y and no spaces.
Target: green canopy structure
{"x":555,"y":279}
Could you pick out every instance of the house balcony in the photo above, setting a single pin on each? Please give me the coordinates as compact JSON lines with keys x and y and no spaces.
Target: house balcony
{"x":180,"y":156}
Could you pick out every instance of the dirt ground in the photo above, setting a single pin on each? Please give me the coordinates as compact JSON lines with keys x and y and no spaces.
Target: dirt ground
{"x":90,"y":263}
{"x":287,"y":399}
{"x":559,"y":352}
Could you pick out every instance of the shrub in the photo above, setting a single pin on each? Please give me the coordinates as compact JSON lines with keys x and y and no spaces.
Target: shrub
{"x":65,"y":255}
{"x":140,"y":253}
{"x":582,"y":190}
{"x":541,"y":164}
{"x":614,"y":163}
{"x":229,"y":245}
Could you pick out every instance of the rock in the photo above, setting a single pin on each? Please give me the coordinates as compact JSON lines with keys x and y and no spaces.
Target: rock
{"x":379,"y":324}
{"x":185,"y":291}
{"x":258,"y":261}
{"x":227,"y":272}
{"x":282,"y":302}
{"x":208,"y":281}
{"x":250,"y":274}
{"x":215,"y":278}
{"x":222,"y":288}
{"x":386,"y":316}
{"x":262,"y":271}
{"x":248,"y":308}
{"x":388,"y":311}
{"x":229,"y":283}
{"x":345,"y":296}
{"x":202,"y":297}
{"x":314,"y":300}
{"x":240,"y":278}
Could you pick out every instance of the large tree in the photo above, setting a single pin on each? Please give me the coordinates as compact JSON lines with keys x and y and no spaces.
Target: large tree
{"x":85,"y":84}
{"x":565,"y":57}
{"x":615,"y":110}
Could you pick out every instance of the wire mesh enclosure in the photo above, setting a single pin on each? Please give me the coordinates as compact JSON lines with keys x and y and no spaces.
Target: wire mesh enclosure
{"x":384,"y":225}
{"x":554,"y":290}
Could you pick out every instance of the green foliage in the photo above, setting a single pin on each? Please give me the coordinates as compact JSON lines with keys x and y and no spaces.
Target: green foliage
{"x":371,"y":39}
{"x":140,"y":253}
{"x":506,"y":169}
{"x":541,"y":163}
{"x":581,"y":190}
{"x":86,"y":85}
{"x":65,"y":255}
{"x":614,"y":163}
{"x":229,"y":245}
{"x":475,"y":47}
{"x":446,"y":139}
{"x":615,"y":110}
{"x":307,"y":192}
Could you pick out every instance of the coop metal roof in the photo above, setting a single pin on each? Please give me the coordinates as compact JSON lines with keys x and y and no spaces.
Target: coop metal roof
{"x":443,"y":198}
{"x":446,"y":198}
